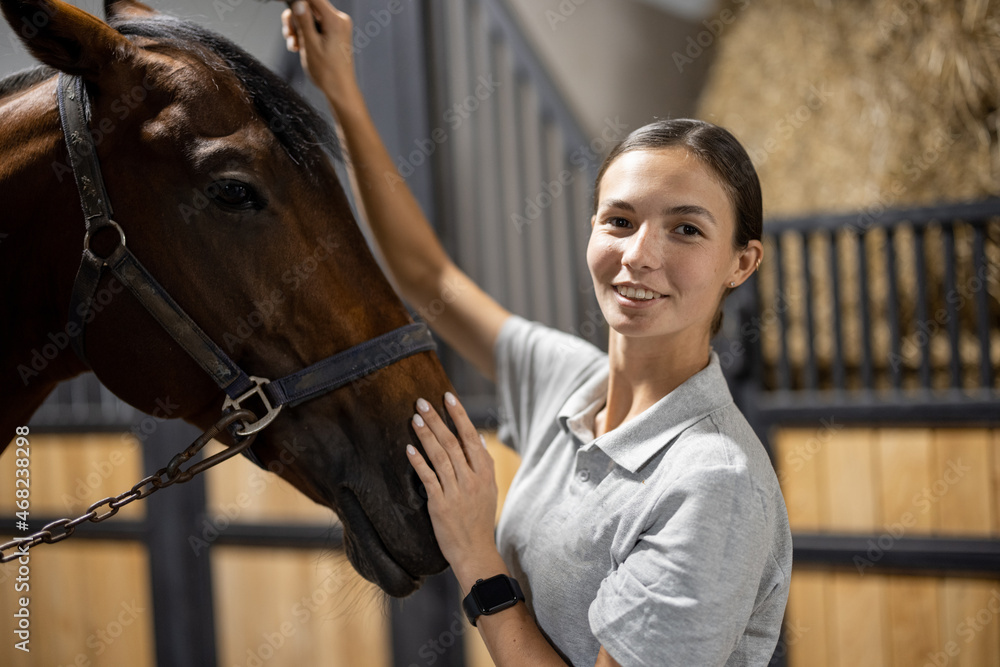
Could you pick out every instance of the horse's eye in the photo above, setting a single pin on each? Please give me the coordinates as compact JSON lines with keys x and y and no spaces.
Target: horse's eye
{"x":235,"y":194}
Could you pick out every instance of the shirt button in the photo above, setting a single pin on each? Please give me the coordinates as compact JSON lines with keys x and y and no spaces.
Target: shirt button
{"x":583,"y":475}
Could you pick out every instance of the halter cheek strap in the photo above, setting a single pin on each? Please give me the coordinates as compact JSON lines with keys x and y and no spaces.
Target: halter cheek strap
{"x":316,"y":380}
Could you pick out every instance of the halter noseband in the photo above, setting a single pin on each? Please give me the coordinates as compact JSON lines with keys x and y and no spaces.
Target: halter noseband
{"x":320,"y":378}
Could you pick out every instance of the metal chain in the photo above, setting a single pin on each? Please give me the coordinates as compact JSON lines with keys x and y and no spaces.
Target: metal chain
{"x":162,"y":478}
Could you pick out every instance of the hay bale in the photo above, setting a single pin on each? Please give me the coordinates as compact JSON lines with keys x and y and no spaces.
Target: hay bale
{"x":860,"y":106}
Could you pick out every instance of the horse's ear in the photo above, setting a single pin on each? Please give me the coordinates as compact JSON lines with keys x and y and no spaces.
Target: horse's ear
{"x":127,"y":9}
{"x":66,"y":38}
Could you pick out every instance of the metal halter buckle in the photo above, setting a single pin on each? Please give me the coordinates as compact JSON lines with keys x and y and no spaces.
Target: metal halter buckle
{"x":261,"y":423}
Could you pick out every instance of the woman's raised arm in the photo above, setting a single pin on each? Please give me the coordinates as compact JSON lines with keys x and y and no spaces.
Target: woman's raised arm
{"x":469,"y":319}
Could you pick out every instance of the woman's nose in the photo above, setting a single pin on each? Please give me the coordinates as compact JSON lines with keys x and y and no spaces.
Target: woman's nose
{"x":642,"y":249}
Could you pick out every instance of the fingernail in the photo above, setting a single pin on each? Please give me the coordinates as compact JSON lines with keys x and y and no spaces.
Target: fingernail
{"x":411,"y":450}
{"x":418,"y":420}
{"x":450,"y":398}
{"x":423,"y":405}
{"x":482,"y":439}
{"x":290,"y":43}
{"x":299,"y":7}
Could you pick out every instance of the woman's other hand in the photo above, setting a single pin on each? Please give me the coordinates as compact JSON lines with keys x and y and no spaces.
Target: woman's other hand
{"x":321,"y":34}
{"x":461,"y":489}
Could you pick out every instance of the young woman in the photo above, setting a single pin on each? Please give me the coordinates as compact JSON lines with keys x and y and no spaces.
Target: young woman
{"x":645,"y":525}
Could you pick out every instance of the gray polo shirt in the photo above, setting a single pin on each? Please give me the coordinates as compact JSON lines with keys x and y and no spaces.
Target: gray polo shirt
{"x":665,"y":540}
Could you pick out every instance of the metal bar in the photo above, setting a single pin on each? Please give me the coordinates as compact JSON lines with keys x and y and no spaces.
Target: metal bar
{"x":867,"y":380}
{"x":839,"y":379}
{"x":922,"y":334}
{"x":812,"y":375}
{"x":907,"y":408}
{"x":496,"y":141}
{"x":502,"y":20}
{"x":180,"y":579}
{"x":892,"y":311}
{"x":972,"y":212}
{"x":881,"y":553}
{"x":982,"y":306}
{"x":784,"y":367}
{"x":954,"y":360}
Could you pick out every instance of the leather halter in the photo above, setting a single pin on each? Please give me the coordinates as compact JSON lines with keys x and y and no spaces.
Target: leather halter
{"x":320,"y":378}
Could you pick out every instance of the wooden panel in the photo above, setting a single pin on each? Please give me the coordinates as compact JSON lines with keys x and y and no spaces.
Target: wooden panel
{"x":69,"y":473}
{"x":913,"y":625}
{"x":995,"y":490}
{"x":799,"y":454}
{"x":806,"y":619}
{"x":856,"y":630}
{"x":970,"y":624}
{"x":89,"y":605}
{"x":905,"y":465}
{"x":291,"y":608}
{"x":850,"y":502}
{"x":962,"y":484}
{"x":240,"y":492}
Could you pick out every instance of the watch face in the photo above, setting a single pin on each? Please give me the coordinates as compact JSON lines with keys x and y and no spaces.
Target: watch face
{"x":494,"y":594}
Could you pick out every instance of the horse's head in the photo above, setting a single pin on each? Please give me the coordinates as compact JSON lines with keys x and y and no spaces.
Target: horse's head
{"x":217,"y":173}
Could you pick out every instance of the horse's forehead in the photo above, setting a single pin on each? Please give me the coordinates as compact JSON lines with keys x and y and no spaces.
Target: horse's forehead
{"x":204,"y":101}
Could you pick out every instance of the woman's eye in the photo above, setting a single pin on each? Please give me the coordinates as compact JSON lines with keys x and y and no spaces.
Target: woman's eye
{"x":621,"y":223}
{"x":235,"y":194}
{"x":689,"y":230}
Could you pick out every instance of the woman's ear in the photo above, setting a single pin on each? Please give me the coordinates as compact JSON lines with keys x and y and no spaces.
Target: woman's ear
{"x":66,"y":38}
{"x":748,"y":260}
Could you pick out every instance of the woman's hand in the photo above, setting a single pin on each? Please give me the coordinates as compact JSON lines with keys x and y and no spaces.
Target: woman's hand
{"x":321,"y":34}
{"x":461,"y":488}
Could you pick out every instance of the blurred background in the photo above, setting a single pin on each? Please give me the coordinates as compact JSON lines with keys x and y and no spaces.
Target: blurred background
{"x":864,"y":353}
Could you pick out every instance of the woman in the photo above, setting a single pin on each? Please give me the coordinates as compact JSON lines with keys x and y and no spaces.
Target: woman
{"x":645,"y":524}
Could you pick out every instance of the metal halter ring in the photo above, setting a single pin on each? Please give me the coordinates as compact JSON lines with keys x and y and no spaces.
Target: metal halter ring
{"x":92,"y":230}
{"x":260,"y":424}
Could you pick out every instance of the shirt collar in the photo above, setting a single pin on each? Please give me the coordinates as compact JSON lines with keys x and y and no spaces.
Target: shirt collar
{"x":634,"y":443}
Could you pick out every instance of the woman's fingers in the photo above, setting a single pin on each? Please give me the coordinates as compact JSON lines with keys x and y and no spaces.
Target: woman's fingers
{"x":436,"y":452}
{"x":288,"y":31}
{"x":427,"y":476}
{"x":472,"y":441}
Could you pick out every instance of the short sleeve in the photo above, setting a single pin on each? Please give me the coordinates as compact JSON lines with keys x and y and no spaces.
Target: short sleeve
{"x":536,"y":368}
{"x":685,"y":592}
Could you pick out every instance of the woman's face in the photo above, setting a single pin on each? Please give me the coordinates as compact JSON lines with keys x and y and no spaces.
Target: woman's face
{"x":661,"y":246}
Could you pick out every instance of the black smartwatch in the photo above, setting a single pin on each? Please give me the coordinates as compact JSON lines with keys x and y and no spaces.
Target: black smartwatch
{"x":488,"y":596}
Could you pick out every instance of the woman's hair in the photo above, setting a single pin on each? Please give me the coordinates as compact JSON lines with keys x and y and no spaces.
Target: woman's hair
{"x":723,"y":154}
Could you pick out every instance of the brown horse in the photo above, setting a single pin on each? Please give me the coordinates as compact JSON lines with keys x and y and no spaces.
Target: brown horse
{"x":219,"y":178}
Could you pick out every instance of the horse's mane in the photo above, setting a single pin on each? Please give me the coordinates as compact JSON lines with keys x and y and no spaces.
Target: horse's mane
{"x":24,"y":79}
{"x":301,"y":130}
